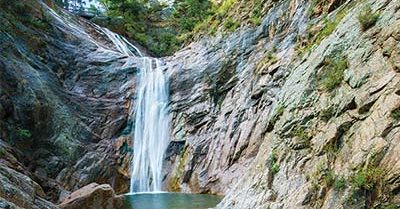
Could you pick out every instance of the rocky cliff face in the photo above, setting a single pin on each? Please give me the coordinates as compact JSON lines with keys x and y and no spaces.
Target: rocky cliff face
{"x":298,"y":110}
{"x":65,"y":94}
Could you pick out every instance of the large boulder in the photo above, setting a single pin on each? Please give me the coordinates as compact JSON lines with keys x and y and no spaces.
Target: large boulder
{"x":93,"y":196}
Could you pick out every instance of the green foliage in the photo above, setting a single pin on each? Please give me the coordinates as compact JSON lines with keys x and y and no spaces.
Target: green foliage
{"x":368,"y":18}
{"x":328,"y":28}
{"x":189,"y":13}
{"x":339,"y":184}
{"x":273,"y":162}
{"x":224,"y":8}
{"x":164,"y":43}
{"x":328,"y":177}
{"x":256,"y":15}
{"x":333,"y":71}
{"x":367,"y":179}
{"x":161,"y":29}
{"x":256,"y":20}
{"x":301,"y":133}
{"x":275,"y":168}
{"x":24,"y":133}
{"x":395,"y":114}
{"x":27,"y":13}
{"x":230,"y":24}
{"x":214,"y":28}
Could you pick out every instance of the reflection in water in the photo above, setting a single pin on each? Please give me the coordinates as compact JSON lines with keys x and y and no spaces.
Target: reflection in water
{"x":171,"y":201}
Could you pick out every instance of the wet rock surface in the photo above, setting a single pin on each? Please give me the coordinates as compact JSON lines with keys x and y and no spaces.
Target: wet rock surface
{"x":65,"y":96}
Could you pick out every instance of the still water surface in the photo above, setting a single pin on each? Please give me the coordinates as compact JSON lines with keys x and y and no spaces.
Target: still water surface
{"x":171,"y":201}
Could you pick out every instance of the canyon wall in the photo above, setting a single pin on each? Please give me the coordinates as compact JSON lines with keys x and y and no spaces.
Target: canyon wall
{"x":298,"y":112}
{"x":300,"y":109}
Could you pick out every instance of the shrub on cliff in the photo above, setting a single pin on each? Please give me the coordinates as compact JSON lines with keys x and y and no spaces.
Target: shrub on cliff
{"x":368,"y":18}
{"x":332,"y":73}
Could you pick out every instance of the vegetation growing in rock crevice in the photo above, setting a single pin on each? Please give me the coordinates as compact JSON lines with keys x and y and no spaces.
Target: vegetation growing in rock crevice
{"x":24,"y":133}
{"x":368,"y":18}
{"x":302,"y":134}
{"x":256,"y":14}
{"x":231,"y":25}
{"x":315,"y":36}
{"x":395,"y":114}
{"x":364,"y":183}
{"x":332,"y":73}
{"x":273,"y":165}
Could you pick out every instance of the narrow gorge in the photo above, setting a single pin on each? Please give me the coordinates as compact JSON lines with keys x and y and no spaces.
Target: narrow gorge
{"x":266,"y":104}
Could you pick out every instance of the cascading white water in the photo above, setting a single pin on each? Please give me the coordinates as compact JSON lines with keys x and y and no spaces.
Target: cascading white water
{"x":151,"y":128}
{"x":150,"y":133}
{"x":121,"y":43}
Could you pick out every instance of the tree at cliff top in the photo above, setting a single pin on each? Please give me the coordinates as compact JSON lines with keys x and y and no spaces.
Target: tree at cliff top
{"x":159,"y":27}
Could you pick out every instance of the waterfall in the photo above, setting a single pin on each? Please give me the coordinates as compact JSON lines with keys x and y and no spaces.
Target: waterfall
{"x":150,"y":133}
{"x":151,"y":128}
{"x":121,"y":43}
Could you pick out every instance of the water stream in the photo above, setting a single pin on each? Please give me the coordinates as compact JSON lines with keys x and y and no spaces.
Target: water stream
{"x":150,"y":133}
{"x":151,"y":128}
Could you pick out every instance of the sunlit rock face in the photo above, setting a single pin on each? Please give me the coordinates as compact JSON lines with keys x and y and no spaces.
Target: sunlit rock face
{"x":257,"y":118}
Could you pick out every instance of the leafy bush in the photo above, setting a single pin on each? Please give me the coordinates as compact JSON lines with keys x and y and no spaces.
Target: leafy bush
{"x":256,"y":20}
{"x":368,"y":18}
{"x":367,"y":179}
{"x":275,"y":168}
